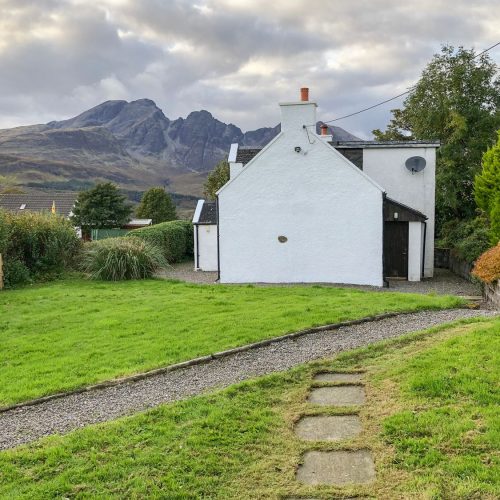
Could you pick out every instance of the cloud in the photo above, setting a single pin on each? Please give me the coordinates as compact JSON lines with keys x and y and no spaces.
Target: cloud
{"x":235,"y":58}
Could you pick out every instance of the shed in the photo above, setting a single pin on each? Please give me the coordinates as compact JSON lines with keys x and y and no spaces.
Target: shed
{"x":205,"y":236}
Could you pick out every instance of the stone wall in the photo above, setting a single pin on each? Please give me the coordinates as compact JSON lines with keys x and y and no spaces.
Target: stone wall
{"x":492,"y":294}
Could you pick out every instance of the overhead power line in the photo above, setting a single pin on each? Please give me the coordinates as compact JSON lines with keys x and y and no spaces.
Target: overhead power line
{"x":395,"y":97}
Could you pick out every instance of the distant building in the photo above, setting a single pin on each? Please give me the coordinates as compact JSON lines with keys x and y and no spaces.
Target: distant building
{"x":59,"y":203}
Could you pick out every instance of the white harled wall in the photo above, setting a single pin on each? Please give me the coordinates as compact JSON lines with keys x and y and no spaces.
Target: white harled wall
{"x":206,"y":246}
{"x":329,"y":212}
{"x":387,"y":167}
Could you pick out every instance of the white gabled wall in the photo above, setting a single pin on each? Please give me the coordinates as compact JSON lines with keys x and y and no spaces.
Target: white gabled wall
{"x":329,"y":211}
{"x":387,"y":167}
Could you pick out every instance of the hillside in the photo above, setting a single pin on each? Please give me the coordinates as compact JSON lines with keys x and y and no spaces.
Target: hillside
{"x":130,"y":143}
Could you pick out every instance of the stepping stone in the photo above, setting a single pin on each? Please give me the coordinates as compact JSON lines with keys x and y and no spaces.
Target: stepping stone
{"x":337,"y":468}
{"x":350,"y":378}
{"x":328,"y":428}
{"x":341,"y":395}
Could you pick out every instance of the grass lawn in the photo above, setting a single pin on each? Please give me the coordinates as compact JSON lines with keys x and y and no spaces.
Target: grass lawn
{"x":71,"y":333}
{"x":431,"y":419}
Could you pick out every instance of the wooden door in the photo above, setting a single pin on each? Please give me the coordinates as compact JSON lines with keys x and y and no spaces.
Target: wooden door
{"x":396,"y":249}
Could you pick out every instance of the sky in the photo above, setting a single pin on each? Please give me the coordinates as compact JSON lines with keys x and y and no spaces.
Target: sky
{"x":234,"y":58}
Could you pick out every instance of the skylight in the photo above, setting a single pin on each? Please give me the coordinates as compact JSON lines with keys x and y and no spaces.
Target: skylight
{"x":22,"y":207}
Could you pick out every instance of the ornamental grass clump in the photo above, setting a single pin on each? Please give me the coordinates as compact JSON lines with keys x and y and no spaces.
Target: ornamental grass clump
{"x":487,"y":267}
{"x":116,"y":259}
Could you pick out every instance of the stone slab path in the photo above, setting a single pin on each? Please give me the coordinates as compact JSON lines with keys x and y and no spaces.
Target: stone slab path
{"x":339,"y":467}
{"x":343,"y":395}
{"x":328,"y":427}
{"x":28,"y":423}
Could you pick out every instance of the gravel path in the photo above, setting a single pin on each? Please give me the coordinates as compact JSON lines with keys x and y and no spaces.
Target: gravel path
{"x":26,"y":424}
{"x":444,"y":282}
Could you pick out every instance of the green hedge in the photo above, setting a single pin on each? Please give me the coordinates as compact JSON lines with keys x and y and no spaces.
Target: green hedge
{"x":115,"y":259}
{"x":37,"y":246}
{"x":174,"y":238}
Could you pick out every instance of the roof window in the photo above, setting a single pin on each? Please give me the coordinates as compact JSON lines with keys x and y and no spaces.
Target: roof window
{"x":23,"y":206}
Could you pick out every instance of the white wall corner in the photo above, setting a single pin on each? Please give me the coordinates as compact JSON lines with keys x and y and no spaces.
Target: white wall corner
{"x":197,"y":212}
{"x":233,"y":151}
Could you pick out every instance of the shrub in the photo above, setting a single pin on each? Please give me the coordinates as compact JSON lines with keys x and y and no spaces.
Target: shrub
{"x":4,"y":231}
{"x":115,"y":259}
{"x":38,"y":246}
{"x":188,"y":228}
{"x":467,"y":239}
{"x":171,"y":237}
{"x":487,"y":267}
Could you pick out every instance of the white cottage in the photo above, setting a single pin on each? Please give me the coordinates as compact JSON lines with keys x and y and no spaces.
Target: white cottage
{"x":309,"y":209}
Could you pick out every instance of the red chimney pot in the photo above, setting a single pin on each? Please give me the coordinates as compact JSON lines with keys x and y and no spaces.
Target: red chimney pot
{"x":324,"y":129}
{"x":304,"y":94}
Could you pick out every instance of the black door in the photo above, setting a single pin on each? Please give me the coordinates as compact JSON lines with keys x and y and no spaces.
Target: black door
{"x":396,"y":249}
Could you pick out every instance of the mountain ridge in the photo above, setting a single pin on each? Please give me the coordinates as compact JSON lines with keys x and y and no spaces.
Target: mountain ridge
{"x":131,"y":143}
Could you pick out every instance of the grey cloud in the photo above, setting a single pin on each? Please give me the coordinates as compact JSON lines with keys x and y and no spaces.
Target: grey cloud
{"x":237,"y":59}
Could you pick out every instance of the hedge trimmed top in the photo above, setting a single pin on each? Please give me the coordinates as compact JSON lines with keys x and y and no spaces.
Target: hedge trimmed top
{"x":174,"y":238}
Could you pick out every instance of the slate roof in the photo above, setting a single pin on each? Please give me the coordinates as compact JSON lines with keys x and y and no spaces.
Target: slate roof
{"x":244,"y":155}
{"x":36,"y":202}
{"x":391,"y":205}
{"x":208,"y":213}
{"x":365,"y":144}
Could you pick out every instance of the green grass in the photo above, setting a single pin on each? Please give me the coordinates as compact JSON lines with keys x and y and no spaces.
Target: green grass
{"x":66,"y":334}
{"x":431,"y":421}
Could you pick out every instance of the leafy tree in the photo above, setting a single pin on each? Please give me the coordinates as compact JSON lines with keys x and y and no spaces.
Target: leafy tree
{"x":487,"y":189}
{"x":487,"y":183}
{"x":156,"y":204}
{"x":457,"y":101}
{"x":103,"y":206}
{"x":216,"y":179}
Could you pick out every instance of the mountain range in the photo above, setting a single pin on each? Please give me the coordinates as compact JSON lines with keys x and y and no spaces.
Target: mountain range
{"x":130,"y":143}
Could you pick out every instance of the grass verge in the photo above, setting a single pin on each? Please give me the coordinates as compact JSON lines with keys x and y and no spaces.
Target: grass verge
{"x":66,"y":334}
{"x":431,"y":421}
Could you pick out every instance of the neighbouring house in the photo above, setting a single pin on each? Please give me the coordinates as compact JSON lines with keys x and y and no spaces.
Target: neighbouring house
{"x":59,"y":203}
{"x":62,"y":204}
{"x":308,"y":208}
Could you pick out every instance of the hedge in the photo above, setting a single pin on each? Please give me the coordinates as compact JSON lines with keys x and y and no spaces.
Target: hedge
{"x":37,"y":246}
{"x":174,"y":238}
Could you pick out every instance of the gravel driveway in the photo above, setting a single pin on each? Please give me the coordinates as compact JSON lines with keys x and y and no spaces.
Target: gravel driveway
{"x":444,"y":282}
{"x":26,"y":424}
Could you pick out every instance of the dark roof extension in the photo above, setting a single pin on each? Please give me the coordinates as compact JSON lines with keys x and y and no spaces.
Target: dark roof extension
{"x":405,"y":213}
{"x":208,"y":213}
{"x":244,"y":155}
{"x":381,"y":144}
{"x":35,"y":202}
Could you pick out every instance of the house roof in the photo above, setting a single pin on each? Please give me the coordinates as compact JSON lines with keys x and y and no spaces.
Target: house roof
{"x":385,"y":144}
{"x":139,"y":222}
{"x":244,"y":155}
{"x":36,"y":202}
{"x":208,"y":214}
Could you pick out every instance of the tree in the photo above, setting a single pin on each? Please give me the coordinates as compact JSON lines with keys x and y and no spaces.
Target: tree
{"x":487,"y":188}
{"x":103,"y":206}
{"x":216,"y":179}
{"x":456,"y":100}
{"x":156,"y":204}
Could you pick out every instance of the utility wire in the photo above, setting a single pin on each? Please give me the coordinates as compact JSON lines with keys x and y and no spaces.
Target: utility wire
{"x":392,"y":98}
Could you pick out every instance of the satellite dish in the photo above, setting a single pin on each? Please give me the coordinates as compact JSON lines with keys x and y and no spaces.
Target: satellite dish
{"x":415,"y":164}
